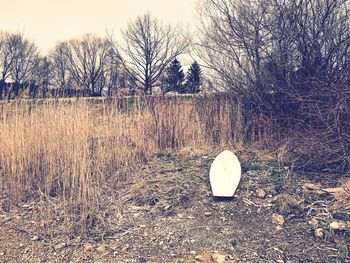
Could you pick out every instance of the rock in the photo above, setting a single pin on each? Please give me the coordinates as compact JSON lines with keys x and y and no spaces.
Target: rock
{"x":125,"y":248}
{"x":35,"y":238}
{"x":319,"y":232}
{"x":339,"y":225}
{"x":278,"y":219}
{"x":234,"y":242}
{"x":260,"y":193}
{"x":88,"y":248}
{"x":233,"y":257}
{"x":313,"y":222}
{"x":208,"y":213}
{"x":101,"y":249}
{"x":334,"y":191}
{"x":60,"y":245}
{"x":2,"y":253}
{"x":312,"y":187}
{"x":217,"y":258}
{"x":203,"y":258}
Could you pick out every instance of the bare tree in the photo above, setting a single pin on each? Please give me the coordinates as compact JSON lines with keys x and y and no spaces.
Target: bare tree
{"x":25,"y":58}
{"x":6,"y":56}
{"x":18,"y":59}
{"x":149,"y":47}
{"x":6,"y":59}
{"x":60,"y":66}
{"x":87,"y":58}
{"x":42,"y":78}
{"x":255,"y":47}
{"x":113,"y":72}
{"x":235,"y":44}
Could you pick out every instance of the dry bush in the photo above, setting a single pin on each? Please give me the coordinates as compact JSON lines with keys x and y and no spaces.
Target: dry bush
{"x":65,"y":154}
{"x":322,"y":143}
{"x":342,"y":198}
{"x":287,"y":204}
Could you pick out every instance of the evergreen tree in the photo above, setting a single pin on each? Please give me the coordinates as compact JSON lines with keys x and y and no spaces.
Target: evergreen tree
{"x":194,"y":78}
{"x":175,"y":77}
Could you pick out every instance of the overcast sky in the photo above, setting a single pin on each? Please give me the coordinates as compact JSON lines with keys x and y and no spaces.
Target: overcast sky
{"x":49,"y":21}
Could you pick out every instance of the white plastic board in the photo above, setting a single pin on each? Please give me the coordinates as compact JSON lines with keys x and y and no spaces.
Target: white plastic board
{"x":225,"y":174}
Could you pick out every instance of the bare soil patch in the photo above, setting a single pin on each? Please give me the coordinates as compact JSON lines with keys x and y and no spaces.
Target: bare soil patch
{"x":164,"y":212}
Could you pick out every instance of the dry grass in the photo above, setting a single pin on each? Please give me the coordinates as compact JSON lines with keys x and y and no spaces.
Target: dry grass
{"x":71,"y":151}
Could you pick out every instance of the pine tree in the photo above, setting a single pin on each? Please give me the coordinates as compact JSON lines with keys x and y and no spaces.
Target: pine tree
{"x":175,"y":77}
{"x":194,"y":78}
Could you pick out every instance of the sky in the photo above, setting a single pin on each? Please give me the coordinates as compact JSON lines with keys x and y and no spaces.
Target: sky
{"x":49,"y":21}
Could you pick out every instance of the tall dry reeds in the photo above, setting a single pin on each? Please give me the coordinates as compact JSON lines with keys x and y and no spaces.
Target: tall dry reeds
{"x":71,"y":150}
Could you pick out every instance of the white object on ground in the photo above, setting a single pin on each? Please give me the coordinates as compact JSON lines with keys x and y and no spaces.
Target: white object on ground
{"x":225,"y":174}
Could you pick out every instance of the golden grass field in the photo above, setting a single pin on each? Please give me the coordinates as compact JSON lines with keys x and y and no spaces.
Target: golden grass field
{"x":70,"y":149}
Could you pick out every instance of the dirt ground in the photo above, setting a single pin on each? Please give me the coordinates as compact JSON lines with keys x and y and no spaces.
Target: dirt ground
{"x":166,"y":213}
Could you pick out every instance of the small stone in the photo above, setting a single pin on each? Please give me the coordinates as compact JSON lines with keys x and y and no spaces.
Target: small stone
{"x":204,"y":257}
{"x":35,"y":238}
{"x":88,"y":248}
{"x":26,"y":206}
{"x":217,"y":258}
{"x":60,"y":245}
{"x":161,"y":243}
{"x":233,"y":257}
{"x":313,"y":222}
{"x":193,"y":252}
{"x":101,"y":249}
{"x":260,"y":193}
{"x":311,"y":187}
{"x":339,"y":225}
{"x":126,"y":247}
{"x":208,"y":213}
{"x":278,"y":219}
{"x":180,"y":215}
{"x":234,"y":242}
{"x":200,"y":258}
{"x":2,"y":253}
{"x":319,"y":232}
